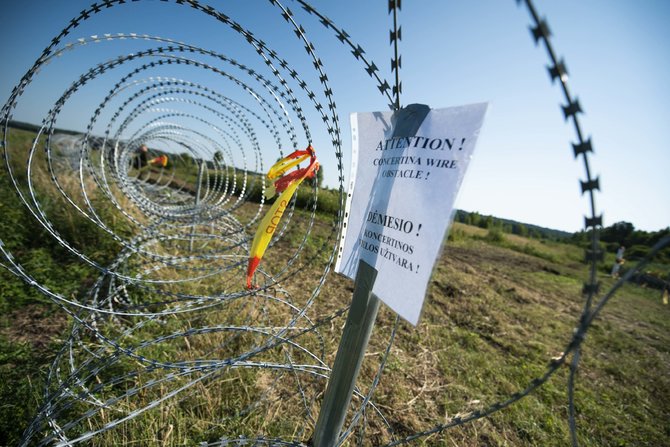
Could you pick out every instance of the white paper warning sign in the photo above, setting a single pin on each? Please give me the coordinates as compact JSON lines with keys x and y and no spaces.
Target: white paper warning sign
{"x":401,"y":198}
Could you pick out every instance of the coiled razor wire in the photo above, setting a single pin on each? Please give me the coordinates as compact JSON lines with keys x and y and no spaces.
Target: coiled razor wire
{"x":182,"y":247}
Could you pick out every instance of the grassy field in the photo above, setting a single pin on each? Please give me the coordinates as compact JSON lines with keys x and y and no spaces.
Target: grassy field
{"x":498,"y":309}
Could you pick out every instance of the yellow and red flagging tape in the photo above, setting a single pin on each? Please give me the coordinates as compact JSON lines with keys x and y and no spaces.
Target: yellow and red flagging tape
{"x":285,"y":186}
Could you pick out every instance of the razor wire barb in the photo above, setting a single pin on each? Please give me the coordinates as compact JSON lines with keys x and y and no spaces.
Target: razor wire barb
{"x":183,"y":238}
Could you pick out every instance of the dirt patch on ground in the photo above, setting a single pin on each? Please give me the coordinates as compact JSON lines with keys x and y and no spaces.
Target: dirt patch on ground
{"x":35,"y":324}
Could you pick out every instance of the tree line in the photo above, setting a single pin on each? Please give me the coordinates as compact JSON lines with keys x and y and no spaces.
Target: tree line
{"x":510,"y":226}
{"x":638,"y":243}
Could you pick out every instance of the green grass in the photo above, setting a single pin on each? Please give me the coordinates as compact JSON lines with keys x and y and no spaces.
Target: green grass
{"x":499,"y":307}
{"x":22,"y":371}
{"x":496,"y":316}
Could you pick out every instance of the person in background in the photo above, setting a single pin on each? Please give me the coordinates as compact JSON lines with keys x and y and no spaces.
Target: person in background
{"x":142,"y":157}
{"x":618,"y":261}
{"x":141,"y":160}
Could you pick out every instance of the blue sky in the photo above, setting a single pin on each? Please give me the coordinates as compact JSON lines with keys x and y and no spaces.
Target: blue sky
{"x":453,"y":53}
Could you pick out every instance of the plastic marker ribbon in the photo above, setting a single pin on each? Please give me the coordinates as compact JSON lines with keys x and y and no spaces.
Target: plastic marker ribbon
{"x":285,"y":185}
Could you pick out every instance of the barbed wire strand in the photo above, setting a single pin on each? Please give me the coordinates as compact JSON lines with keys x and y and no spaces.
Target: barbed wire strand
{"x":184,"y":237}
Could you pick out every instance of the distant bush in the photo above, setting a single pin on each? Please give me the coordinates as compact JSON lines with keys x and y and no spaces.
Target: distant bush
{"x":495,"y":234}
{"x":637,"y":252}
{"x":456,"y":234}
{"x":327,"y":201}
{"x":612,"y":247}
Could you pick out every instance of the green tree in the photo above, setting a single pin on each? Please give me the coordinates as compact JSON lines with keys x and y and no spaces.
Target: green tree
{"x":475,"y":218}
{"x":523,"y":231}
{"x":318,"y":178}
{"x":468,"y":219}
{"x":620,"y":232}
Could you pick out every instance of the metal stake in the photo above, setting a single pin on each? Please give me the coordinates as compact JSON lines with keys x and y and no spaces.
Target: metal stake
{"x":198,"y":185}
{"x":357,"y":330}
